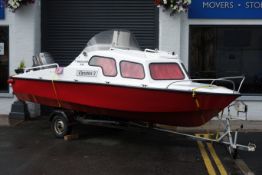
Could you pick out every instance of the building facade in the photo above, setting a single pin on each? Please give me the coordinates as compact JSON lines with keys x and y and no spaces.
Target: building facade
{"x":210,"y":46}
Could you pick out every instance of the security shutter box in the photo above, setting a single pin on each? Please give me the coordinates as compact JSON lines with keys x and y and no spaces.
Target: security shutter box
{"x":67,"y":25}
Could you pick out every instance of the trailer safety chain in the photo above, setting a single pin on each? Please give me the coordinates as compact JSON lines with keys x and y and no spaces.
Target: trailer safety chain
{"x":194,"y":95}
{"x":58,"y":101}
{"x":34,"y":99}
{"x":195,"y":99}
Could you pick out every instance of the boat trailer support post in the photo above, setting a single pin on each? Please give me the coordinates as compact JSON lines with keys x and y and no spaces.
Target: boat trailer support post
{"x":232,"y":141}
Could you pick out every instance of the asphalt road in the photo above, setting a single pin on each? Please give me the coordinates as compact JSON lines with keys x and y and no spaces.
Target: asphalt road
{"x":252,"y":159}
{"x":30,"y":148}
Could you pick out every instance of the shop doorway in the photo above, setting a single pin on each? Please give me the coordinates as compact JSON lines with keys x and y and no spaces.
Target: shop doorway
{"x":4,"y":59}
{"x":68,"y":25}
{"x":222,"y":51}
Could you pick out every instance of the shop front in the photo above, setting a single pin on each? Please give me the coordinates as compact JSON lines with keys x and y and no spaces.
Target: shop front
{"x":227,"y":50}
{"x":231,"y":48}
{"x":216,"y":39}
{"x":224,"y":39}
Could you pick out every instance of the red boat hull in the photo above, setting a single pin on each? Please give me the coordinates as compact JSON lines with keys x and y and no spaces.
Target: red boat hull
{"x":169,"y":107}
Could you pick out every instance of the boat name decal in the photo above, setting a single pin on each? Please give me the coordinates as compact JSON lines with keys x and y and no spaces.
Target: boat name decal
{"x":86,"y":73}
{"x":82,"y":61}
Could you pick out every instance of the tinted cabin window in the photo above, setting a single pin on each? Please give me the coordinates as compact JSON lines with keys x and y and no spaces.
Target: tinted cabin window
{"x":108,"y":65}
{"x":166,"y":71}
{"x":132,"y":70}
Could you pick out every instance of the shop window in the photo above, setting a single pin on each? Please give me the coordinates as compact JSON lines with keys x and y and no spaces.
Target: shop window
{"x":166,"y":71}
{"x":108,"y":65}
{"x":132,"y":70}
{"x":4,"y":59}
{"x":222,"y":51}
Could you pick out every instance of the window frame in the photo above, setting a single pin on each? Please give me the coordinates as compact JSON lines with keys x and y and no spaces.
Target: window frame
{"x":94,"y":56}
{"x":134,"y":63}
{"x":7,"y":91}
{"x":184,"y":75}
{"x":250,"y":95}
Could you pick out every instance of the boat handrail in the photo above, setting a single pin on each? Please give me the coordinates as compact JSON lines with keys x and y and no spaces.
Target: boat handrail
{"x":224,"y":79}
{"x":151,"y":50}
{"x":41,"y":67}
{"x":235,"y":77}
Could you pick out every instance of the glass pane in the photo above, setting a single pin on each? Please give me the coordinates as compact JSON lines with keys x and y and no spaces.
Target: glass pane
{"x":108,"y":65}
{"x":132,"y":70}
{"x":222,"y":51}
{"x":166,"y":71}
{"x":105,"y":40}
{"x":4,"y":58}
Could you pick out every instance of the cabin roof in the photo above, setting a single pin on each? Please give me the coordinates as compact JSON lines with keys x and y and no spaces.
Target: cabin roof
{"x":134,"y":55}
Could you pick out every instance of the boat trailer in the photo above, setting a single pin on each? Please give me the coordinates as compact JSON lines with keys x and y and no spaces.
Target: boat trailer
{"x":62,"y":123}
{"x":227,"y":137}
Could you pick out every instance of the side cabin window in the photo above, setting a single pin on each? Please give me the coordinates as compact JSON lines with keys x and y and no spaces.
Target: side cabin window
{"x":132,"y":70}
{"x":108,"y":65}
{"x":166,"y":71}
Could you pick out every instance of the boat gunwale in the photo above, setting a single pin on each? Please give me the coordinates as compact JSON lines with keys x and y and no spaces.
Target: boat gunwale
{"x":125,"y":86}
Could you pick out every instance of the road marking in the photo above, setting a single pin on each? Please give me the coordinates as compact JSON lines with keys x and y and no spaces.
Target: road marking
{"x":218,"y":162}
{"x":243,"y":167}
{"x":207,"y":161}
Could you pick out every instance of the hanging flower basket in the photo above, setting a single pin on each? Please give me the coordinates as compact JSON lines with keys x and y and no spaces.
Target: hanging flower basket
{"x":13,"y":5}
{"x":176,"y":6}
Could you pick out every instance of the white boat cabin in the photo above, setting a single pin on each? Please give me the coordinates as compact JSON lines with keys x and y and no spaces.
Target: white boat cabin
{"x":114,"y":57}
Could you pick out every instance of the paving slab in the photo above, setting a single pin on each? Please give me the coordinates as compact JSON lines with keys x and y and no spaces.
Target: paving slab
{"x":4,"y":120}
{"x":5,"y":105}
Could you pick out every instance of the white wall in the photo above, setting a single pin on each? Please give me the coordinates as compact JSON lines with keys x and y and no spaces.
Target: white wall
{"x":24,"y":34}
{"x":24,"y":42}
{"x":169,"y":31}
{"x":26,"y":31}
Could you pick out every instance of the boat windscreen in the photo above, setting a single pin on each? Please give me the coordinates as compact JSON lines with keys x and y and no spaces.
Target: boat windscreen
{"x":122,"y":39}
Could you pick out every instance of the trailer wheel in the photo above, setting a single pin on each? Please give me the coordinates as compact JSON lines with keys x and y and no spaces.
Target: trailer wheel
{"x":60,"y":126}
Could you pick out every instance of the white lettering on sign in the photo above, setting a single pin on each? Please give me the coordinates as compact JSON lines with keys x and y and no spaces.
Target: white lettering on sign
{"x":221,"y":5}
{"x":231,"y":5}
{"x":253,"y":5}
{"x":86,"y":73}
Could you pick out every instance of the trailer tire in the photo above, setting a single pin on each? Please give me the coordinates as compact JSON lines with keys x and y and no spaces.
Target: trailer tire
{"x":60,"y":126}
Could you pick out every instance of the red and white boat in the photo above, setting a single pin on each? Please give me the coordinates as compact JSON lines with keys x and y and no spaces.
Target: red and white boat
{"x":113,"y":77}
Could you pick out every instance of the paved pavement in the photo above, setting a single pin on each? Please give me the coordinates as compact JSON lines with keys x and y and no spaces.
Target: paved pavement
{"x":4,"y":120}
{"x":29,"y":148}
{"x":252,"y":159}
{"x":5,"y":104}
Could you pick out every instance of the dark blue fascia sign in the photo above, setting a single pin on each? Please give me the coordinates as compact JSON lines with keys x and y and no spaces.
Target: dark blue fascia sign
{"x":2,"y":9}
{"x":225,"y":9}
